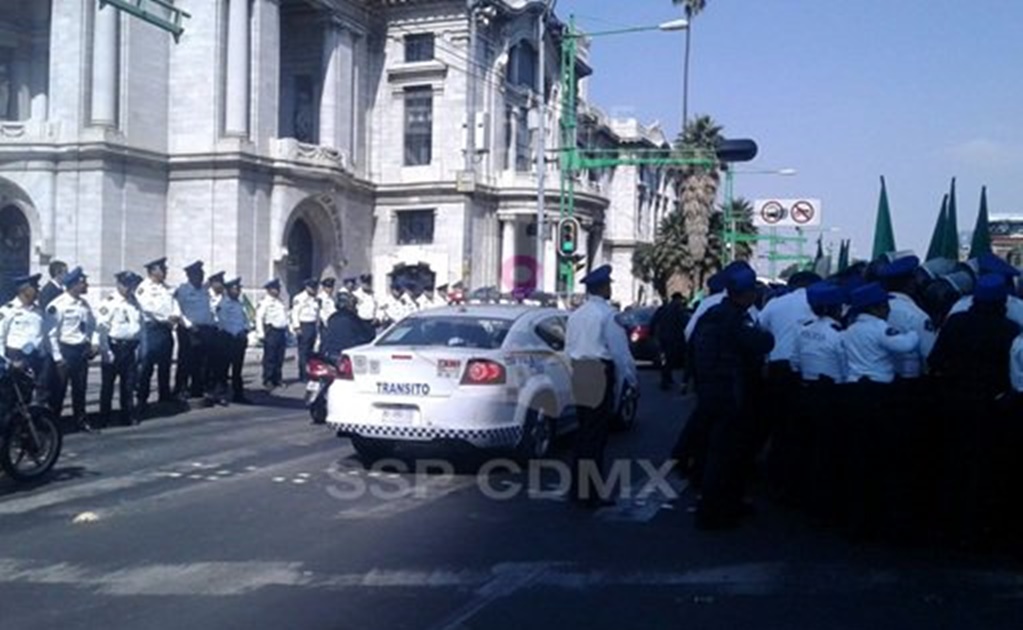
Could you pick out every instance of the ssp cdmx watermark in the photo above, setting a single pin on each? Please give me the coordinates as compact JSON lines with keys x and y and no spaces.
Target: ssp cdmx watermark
{"x":506,"y":479}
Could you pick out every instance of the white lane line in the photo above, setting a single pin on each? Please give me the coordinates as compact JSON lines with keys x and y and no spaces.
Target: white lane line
{"x":400,"y":495}
{"x":508,"y":580}
{"x":647,"y":502}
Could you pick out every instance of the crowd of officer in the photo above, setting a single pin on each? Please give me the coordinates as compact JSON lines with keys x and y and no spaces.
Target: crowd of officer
{"x":873,"y":413}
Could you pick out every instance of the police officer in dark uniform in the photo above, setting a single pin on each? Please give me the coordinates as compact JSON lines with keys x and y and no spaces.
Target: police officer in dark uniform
{"x":729,"y":350}
{"x":196,"y":335}
{"x":53,"y":288}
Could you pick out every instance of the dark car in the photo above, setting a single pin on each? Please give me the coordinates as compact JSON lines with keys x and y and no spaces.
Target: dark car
{"x":642,"y":342}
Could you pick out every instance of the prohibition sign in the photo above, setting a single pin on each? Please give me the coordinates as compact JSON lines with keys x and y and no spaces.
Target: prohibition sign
{"x":772,"y":212}
{"x":802,"y":212}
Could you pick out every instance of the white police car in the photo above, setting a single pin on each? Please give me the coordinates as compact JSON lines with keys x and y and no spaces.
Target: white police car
{"x":493,"y":376}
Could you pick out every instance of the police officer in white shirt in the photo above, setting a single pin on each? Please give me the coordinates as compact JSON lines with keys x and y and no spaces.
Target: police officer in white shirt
{"x":215,"y":284}
{"x":326,"y":295}
{"x":599,"y":353}
{"x":392,"y":307}
{"x":118,"y":333}
{"x":819,"y":359}
{"x":905,"y":315}
{"x":872,"y":347}
{"x":366,"y":305}
{"x":71,"y":327}
{"x":196,"y":334}
{"x":23,"y":334}
{"x":234,"y":325}
{"x":305,"y":319}
{"x":988,"y":264}
{"x":160,"y":314}
{"x":272,"y":332}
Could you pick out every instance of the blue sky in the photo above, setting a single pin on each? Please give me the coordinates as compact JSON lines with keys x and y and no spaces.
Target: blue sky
{"x":916,"y":90}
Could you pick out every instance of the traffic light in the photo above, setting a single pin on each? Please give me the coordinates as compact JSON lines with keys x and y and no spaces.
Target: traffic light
{"x":568,"y":236}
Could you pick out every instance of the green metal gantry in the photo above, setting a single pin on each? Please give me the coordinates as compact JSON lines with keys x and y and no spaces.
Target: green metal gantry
{"x":573,"y":160}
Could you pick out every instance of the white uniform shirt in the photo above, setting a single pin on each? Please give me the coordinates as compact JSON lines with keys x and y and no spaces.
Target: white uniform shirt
{"x":366,"y":307}
{"x":783,"y":317}
{"x":157,"y":301}
{"x":410,"y":303}
{"x":215,"y":299}
{"x":593,"y":333}
{"x":1013,"y":307}
{"x":871,"y":346}
{"x":819,"y":350}
{"x":118,"y":318}
{"x":1016,"y":364}
{"x":270,"y":312}
{"x":906,"y":316}
{"x":327,"y":306}
{"x":231,"y":317}
{"x":21,"y":326}
{"x":70,"y":321}
{"x":194,"y":305}
{"x":305,"y":309}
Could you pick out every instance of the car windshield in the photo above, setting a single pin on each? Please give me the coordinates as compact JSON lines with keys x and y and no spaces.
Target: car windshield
{"x":450,"y":332}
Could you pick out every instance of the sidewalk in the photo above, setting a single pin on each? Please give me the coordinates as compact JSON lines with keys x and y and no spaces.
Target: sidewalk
{"x":251,"y":373}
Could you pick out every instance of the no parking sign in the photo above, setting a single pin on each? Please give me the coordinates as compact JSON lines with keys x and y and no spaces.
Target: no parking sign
{"x":786,"y":212}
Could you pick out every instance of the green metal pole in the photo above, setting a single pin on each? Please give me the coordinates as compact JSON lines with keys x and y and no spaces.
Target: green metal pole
{"x":729,"y":220}
{"x":773,"y":254}
{"x":569,"y":146}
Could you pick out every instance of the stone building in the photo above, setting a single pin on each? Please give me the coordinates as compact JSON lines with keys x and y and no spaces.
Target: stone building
{"x":297,"y":138}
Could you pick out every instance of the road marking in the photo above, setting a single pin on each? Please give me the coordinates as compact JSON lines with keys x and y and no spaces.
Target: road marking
{"x":421,"y":491}
{"x":508,"y":580}
{"x":647,"y":502}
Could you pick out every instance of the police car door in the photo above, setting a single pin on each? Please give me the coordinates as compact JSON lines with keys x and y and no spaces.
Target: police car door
{"x":551,"y":330}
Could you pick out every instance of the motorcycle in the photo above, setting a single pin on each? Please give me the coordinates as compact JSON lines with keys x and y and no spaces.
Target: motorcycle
{"x":322,"y":373}
{"x":30,"y":440}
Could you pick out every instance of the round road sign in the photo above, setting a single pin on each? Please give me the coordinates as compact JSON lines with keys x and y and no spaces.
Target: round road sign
{"x":802,"y":212}
{"x":772,"y":212}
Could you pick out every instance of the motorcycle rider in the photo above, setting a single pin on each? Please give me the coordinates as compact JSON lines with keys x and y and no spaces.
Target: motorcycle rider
{"x":23,"y":334}
{"x":345,"y":329}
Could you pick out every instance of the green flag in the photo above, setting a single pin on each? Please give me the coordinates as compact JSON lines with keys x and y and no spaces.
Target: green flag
{"x":951,"y":247}
{"x":938,"y":236}
{"x":981,"y":243}
{"x":843,"y":256}
{"x":884,"y":235}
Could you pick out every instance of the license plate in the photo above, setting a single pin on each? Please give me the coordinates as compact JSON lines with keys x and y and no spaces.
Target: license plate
{"x":313,"y":387}
{"x":397,"y":416}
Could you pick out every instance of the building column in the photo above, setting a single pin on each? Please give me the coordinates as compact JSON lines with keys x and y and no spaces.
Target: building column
{"x":507,"y":253}
{"x":550,"y":259}
{"x":330,"y":115}
{"x":19,"y":87}
{"x":104,"y":66}
{"x":236,"y":104}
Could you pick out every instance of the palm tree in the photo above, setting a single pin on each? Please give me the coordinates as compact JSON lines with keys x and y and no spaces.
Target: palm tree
{"x":699,"y":182}
{"x":666,"y":262}
{"x":692,"y":9}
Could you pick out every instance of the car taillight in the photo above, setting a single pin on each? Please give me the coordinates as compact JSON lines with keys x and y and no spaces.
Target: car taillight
{"x":483,"y":372}
{"x":318,"y":368}
{"x":639,"y":332}
{"x":344,"y":368}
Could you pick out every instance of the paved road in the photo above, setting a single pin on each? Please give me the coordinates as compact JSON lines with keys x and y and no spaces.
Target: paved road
{"x":248,"y":517}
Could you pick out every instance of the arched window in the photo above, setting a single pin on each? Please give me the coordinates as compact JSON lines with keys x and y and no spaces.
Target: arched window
{"x":522,"y":65}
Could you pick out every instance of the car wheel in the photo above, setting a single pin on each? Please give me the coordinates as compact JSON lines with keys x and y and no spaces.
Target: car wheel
{"x":370,"y":450}
{"x":318,"y":411}
{"x":628,"y":408}
{"x":537,"y":434}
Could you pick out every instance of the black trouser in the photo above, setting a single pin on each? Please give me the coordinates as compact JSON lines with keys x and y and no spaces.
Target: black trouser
{"x":233,"y":353}
{"x":690,"y":450}
{"x":217,"y":365}
{"x":593,"y":385}
{"x":76,"y":372}
{"x":123,"y":368}
{"x":42,"y":373}
{"x":156,"y":350}
{"x":782,"y":426}
{"x":730,"y":451}
{"x":872,"y":432}
{"x":273,"y":355}
{"x":306,"y":343}
{"x":823,"y":476}
{"x":195,"y":346}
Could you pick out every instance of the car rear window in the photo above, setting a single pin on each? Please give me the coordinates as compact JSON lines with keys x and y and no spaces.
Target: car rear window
{"x":637,"y":317}
{"x":450,"y":332}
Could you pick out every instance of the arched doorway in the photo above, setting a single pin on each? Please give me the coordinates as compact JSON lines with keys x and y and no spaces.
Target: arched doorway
{"x":15,"y":248}
{"x":312,"y":239}
{"x":300,"y":256}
